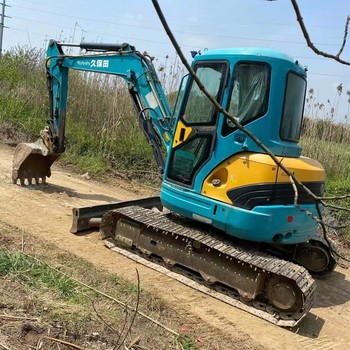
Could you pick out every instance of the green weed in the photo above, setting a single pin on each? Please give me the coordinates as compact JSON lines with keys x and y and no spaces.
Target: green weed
{"x":38,"y":275}
{"x":103,"y":134}
{"x":329,"y":144}
{"x":188,"y":342}
{"x":340,"y":187}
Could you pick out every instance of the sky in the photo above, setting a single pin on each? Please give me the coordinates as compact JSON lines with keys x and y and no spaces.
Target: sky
{"x":197,"y":25}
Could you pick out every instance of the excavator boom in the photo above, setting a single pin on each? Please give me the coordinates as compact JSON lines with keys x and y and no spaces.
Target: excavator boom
{"x":32,"y":161}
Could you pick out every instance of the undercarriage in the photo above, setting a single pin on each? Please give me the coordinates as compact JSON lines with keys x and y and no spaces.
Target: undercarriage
{"x":263,"y":280}
{"x":265,"y":283}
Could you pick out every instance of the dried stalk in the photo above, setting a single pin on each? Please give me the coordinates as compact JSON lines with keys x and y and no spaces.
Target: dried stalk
{"x":16,"y":318}
{"x":4,"y":346}
{"x":64,"y":342}
{"x":104,"y":321}
{"x":124,"y":324}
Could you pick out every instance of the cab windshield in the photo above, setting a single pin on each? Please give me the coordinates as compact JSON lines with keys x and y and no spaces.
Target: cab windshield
{"x":199,"y":109}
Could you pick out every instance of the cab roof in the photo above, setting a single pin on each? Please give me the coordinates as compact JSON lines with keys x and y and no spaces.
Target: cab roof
{"x":246,"y":51}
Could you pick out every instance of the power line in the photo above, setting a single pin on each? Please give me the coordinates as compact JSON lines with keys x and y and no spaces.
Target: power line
{"x":175,"y":16}
{"x":175,"y":31}
{"x":162,"y":43}
{"x":157,"y":41}
{"x":129,"y":37}
{"x":191,"y":46}
{"x":329,"y":75}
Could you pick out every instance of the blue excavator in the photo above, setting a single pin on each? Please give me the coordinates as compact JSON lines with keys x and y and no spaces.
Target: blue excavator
{"x":226,"y":215}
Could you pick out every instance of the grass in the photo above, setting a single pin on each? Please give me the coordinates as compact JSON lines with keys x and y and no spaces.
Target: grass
{"x":38,"y":275}
{"x":329,"y":144}
{"x":335,"y":157}
{"x":47,"y":291}
{"x":340,"y":187}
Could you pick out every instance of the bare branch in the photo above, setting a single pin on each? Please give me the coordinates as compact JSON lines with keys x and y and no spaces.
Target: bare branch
{"x":323,"y":225}
{"x":103,"y":320}
{"x":312,"y":46}
{"x":4,"y":346}
{"x":334,"y":206}
{"x":135,"y":342}
{"x":345,"y":36}
{"x":16,"y":318}
{"x":295,"y":190}
{"x":345,"y":196}
{"x":317,"y":219}
{"x":325,"y":236}
{"x":238,"y":125}
{"x":135,"y":313}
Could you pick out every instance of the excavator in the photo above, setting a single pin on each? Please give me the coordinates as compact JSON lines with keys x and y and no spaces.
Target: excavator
{"x":226,"y":216}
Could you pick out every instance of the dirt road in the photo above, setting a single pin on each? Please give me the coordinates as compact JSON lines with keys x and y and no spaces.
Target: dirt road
{"x":45,"y":211}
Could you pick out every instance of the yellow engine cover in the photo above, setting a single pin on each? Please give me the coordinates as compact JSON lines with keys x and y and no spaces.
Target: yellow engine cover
{"x":246,"y":169}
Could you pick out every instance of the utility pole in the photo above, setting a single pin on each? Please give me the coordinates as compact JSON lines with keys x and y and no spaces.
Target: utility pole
{"x":2,"y":23}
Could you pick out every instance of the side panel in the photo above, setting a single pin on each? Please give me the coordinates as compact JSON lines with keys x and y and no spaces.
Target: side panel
{"x":261,"y":224}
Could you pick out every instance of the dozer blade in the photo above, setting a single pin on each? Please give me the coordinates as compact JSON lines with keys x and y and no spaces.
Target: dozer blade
{"x":32,"y":161}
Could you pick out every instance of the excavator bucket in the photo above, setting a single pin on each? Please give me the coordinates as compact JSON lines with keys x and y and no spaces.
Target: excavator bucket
{"x":32,"y":161}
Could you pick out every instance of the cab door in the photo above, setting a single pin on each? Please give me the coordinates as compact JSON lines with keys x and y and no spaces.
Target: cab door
{"x":196,"y":128}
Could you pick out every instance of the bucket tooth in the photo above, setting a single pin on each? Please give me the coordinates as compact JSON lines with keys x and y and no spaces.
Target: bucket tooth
{"x":32,"y":161}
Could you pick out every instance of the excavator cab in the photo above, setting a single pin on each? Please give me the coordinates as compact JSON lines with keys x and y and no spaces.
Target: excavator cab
{"x":216,"y":174}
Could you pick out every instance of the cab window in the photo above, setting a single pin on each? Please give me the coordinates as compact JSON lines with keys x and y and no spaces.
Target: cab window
{"x":249,"y":93}
{"x":293,"y":107}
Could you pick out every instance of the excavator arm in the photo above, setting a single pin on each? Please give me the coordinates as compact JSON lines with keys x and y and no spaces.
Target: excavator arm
{"x":33,"y":161}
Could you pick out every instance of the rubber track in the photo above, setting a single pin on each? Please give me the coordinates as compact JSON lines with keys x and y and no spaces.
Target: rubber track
{"x":244,"y":253}
{"x":332,"y":249}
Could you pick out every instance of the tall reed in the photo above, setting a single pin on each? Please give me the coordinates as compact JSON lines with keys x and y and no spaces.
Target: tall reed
{"x":325,"y":138}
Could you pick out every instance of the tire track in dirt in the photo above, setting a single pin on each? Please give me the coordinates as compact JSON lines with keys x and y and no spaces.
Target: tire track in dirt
{"x":45,"y":211}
